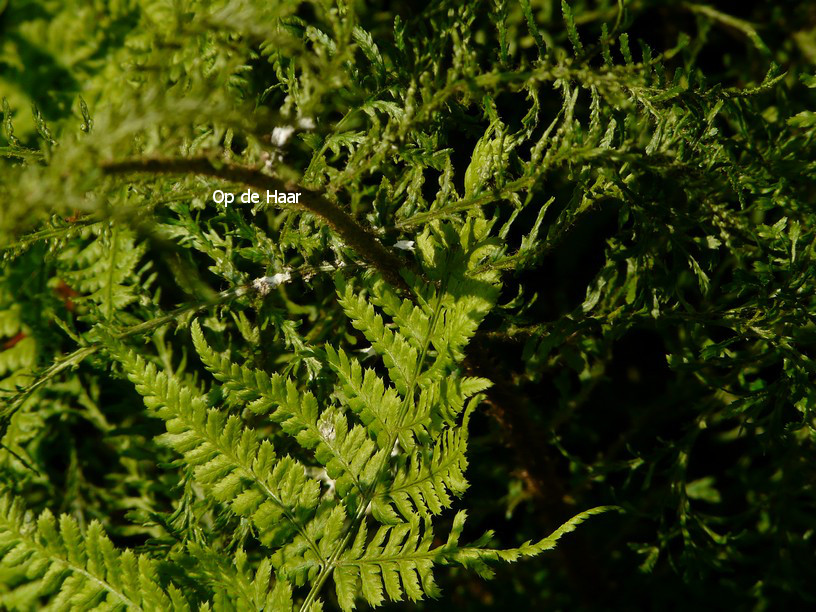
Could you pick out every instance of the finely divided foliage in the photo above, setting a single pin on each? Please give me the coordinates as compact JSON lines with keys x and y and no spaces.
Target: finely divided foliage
{"x":268,"y":406}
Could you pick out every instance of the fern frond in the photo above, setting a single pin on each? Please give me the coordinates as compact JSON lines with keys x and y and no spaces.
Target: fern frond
{"x":423,"y":483}
{"x":413,"y":321}
{"x":453,"y":393}
{"x":105,"y":271}
{"x":531,"y":550}
{"x":476,"y":557}
{"x":241,"y":384}
{"x":397,"y":353}
{"x":75,"y":568}
{"x":470,"y":291}
{"x":226,"y":456}
{"x":347,"y":452}
{"x":376,"y":404}
{"x":238,"y":583}
{"x":56,"y":234}
{"x":398,"y":561}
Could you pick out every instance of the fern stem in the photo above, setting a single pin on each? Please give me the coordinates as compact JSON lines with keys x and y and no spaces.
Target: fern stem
{"x":114,"y":239}
{"x":328,"y":568}
{"x":130,"y":604}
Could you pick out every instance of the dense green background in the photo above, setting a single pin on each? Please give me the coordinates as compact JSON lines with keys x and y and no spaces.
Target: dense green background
{"x":694,"y":417}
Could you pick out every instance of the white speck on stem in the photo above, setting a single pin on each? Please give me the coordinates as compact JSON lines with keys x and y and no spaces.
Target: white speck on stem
{"x":405,"y":245}
{"x":265,"y":284}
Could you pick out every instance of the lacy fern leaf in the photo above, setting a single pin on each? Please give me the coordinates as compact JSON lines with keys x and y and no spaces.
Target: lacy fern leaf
{"x":73,"y":568}
{"x":226,"y":456}
{"x":525,"y":244}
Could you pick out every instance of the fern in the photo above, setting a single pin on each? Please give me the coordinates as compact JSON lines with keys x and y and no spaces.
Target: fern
{"x":366,"y":463}
{"x":226,"y":456}
{"x":104,"y":271}
{"x":74,"y":568}
{"x":545,"y":257}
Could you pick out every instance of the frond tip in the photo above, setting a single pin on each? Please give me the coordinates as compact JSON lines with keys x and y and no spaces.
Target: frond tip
{"x":548,"y":543}
{"x":475,"y":557}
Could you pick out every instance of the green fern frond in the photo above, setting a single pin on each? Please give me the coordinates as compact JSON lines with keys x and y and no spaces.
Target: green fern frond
{"x":376,"y":404}
{"x":237,"y":583}
{"x":57,"y":233}
{"x":227,"y":457}
{"x":105,"y":270}
{"x":412,"y":320}
{"x":422,"y":484}
{"x":241,"y":385}
{"x":476,"y":556}
{"x":397,"y":353}
{"x":397,"y":562}
{"x":74,"y":568}
{"x":572,"y":31}
{"x":347,"y":452}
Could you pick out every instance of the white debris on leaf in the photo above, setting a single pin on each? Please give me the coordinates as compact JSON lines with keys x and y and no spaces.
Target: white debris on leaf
{"x":367,"y":352}
{"x":326,"y":429}
{"x":306,"y":123}
{"x":281,"y":135}
{"x":322,"y":475}
{"x":405,"y":245}
{"x":270,"y":159}
{"x":265,"y":284}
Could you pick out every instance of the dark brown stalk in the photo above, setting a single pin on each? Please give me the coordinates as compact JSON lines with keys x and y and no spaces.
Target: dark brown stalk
{"x":361,"y":241}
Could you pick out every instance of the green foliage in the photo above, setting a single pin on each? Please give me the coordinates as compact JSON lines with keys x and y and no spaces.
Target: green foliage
{"x":74,"y":568}
{"x":548,"y":260}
